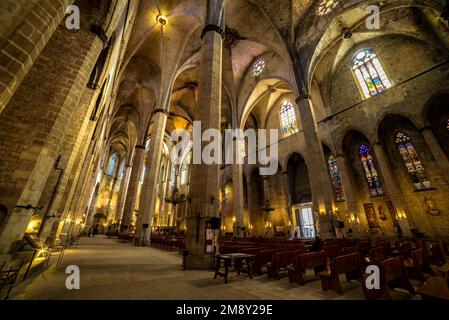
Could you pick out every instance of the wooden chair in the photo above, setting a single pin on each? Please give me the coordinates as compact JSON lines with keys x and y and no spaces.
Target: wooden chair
{"x":314,"y":260}
{"x":8,"y":277}
{"x":348,"y":264}
{"x":392,"y":275}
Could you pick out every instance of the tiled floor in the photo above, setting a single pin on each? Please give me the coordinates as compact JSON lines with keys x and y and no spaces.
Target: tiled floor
{"x":111,"y":270}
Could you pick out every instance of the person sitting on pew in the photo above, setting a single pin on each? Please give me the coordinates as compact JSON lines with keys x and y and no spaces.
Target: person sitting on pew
{"x":317,"y":245}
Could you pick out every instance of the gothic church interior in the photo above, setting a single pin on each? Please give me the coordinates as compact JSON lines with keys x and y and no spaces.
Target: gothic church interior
{"x":354,"y":92}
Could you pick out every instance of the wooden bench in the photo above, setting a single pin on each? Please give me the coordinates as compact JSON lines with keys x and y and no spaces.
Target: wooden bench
{"x":314,"y":260}
{"x":280,"y":262}
{"x":331,"y":251}
{"x":439,"y":256}
{"x":348,"y":264}
{"x":420,"y":266}
{"x":262,"y":258}
{"x":376,"y":255}
{"x":392,"y":275}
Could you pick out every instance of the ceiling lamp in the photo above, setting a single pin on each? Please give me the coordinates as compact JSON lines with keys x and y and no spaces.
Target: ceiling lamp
{"x":162,"y":20}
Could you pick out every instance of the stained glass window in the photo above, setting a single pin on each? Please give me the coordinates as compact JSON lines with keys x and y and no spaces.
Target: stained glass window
{"x":335,"y":178}
{"x":326,"y":6}
{"x":369,"y":167}
{"x":143,"y":174}
{"x":412,"y":162}
{"x":258,"y":67}
{"x":184,"y":174}
{"x":288,"y":118}
{"x":112,"y":164}
{"x":370,"y":74}
{"x":122,"y":170}
{"x":447,"y":126}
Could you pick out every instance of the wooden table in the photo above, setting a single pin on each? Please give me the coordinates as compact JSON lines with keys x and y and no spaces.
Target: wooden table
{"x":436,"y":288}
{"x":238,"y":258}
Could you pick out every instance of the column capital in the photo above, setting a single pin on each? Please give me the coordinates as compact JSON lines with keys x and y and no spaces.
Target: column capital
{"x":303,"y":96}
{"x":212,"y":27}
{"x":425,"y":128}
{"x":100,"y":32}
{"x":160,"y":110}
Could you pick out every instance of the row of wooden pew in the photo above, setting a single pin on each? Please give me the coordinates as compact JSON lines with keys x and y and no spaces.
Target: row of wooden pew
{"x":168,"y":242}
{"x":398,"y":262}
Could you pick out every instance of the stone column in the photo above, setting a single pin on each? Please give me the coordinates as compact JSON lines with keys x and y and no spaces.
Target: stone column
{"x":288,"y":201}
{"x":351,"y":195}
{"x":320,"y":185}
{"x":149,"y":192}
{"x":393,"y":190}
{"x":122,"y":193}
{"x":133,"y":187}
{"x":437,"y":152}
{"x":111,"y":215}
{"x":251,"y":221}
{"x":205,"y":187}
{"x":266,"y":192}
{"x":237,"y":188}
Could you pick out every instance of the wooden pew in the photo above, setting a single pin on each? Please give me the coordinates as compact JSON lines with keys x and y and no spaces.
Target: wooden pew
{"x":420,"y":266}
{"x":439,"y":256}
{"x":377,"y":255}
{"x":392,"y":275}
{"x":280,"y":261}
{"x":331,"y":251}
{"x":348,"y":264}
{"x":314,"y":260}
{"x":351,"y":249}
{"x":262,"y":257}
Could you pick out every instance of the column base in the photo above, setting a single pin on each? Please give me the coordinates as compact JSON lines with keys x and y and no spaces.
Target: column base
{"x":200,"y":262}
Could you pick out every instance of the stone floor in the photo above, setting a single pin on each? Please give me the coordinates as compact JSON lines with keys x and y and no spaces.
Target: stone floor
{"x":111,"y":270}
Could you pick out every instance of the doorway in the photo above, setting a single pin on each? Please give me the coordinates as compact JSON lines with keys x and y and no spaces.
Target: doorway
{"x":305,"y":222}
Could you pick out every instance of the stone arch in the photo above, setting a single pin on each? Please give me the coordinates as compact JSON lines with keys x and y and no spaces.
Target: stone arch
{"x":299,"y":181}
{"x":351,"y":144}
{"x":437,"y":116}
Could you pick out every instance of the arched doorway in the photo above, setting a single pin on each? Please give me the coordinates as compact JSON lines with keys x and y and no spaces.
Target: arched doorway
{"x":300,"y":193}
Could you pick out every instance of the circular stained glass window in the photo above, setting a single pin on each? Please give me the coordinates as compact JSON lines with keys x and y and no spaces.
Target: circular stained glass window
{"x":258,"y":67}
{"x":326,"y":6}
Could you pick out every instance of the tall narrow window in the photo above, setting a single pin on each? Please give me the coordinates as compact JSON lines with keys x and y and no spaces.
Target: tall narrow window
{"x":369,"y":166}
{"x":412,"y":162}
{"x":288,"y":118}
{"x":370,"y":74}
{"x":122,"y":170}
{"x":184,"y":174}
{"x":335,"y":178}
{"x":143,"y":174}
{"x":326,"y":6}
{"x":112,"y":164}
